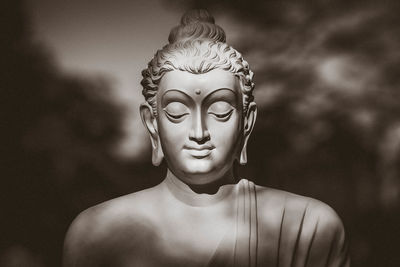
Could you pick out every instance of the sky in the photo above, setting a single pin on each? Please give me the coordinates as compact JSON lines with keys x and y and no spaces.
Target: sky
{"x":114,"y":39}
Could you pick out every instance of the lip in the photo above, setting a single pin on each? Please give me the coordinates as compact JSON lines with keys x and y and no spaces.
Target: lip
{"x":199,"y":151}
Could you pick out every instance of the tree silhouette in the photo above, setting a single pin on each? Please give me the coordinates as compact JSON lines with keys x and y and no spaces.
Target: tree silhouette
{"x":58,"y":138}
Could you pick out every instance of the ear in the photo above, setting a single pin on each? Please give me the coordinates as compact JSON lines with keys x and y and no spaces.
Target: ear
{"x":150,"y":122}
{"x":249,"y":122}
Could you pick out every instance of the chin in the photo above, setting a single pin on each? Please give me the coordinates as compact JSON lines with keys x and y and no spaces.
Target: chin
{"x":199,"y":167}
{"x":200,"y":171}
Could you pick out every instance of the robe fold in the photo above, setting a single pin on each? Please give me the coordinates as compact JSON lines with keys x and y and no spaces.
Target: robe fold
{"x":239,"y":246}
{"x":302,"y":232}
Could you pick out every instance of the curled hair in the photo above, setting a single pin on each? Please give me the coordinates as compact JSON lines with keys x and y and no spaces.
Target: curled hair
{"x":197,"y":46}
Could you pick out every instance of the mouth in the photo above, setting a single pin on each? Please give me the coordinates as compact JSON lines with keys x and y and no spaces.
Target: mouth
{"x":199,"y":152}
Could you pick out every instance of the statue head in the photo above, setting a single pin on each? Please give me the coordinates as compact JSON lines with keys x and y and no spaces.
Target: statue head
{"x":199,"y":106}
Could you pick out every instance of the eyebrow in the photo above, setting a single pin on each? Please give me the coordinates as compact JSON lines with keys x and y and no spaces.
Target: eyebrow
{"x":182,"y":92}
{"x":220,"y":89}
{"x":213,"y":93}
{"x":185,"y":95}
{"x":174,"y":90}
{"x":165,"y":96}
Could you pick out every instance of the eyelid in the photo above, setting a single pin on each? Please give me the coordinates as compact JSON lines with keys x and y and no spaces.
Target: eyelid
{"x":220,"y":107}
{"x":173,"y":115}
{"x":222,"y":115}
{"x":176,"y":111}
{"x":176,"y":108}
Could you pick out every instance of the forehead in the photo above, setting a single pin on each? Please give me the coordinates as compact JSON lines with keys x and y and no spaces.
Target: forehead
{"x":205,"y":82}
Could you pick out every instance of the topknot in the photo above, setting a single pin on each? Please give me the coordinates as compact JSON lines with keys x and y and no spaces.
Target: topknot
{"x":197,"y":15}
{"x":197,"y":24}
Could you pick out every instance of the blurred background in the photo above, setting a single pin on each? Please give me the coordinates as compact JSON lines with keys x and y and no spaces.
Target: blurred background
{"x":327,"y":89}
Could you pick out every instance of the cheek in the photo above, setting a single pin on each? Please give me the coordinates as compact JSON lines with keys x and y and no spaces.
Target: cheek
{"x":225,"y":134}
{"x":172,"y":134}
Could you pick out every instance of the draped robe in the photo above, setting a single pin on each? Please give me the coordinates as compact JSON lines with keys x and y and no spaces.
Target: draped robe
{"x":294,"y":238}
{"x":270,"y":228}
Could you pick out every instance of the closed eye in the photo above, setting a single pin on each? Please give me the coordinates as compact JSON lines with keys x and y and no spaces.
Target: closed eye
{"x":175,"y":116}
{"x":221,"y":115}
{"x":221,"y":110}
{"x":175,"y":111}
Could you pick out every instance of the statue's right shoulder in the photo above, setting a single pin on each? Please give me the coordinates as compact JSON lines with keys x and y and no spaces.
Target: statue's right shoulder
{"x":114,"y":226}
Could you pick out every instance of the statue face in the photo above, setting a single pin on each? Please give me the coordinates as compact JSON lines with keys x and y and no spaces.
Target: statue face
{"x":200,"y":123}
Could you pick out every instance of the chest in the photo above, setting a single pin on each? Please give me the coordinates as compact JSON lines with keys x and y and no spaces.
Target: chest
{"x":195,"y":231}
{"x":181,"y":239}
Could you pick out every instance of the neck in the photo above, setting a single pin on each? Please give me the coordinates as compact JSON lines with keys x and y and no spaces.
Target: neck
{"x":207,"y":195}
{"x":210,"y":188}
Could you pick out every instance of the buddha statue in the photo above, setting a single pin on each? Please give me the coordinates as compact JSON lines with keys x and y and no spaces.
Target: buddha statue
{"x":200,"y":112}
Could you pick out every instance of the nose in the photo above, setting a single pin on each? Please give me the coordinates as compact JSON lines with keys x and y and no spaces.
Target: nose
{"x":199,"y":132}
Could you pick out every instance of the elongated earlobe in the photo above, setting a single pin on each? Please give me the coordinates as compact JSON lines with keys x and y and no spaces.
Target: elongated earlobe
{"x":150,"y":123}
{"x":249,"y":121}
{"x":243,"y":155}
{"x":157,"y":153}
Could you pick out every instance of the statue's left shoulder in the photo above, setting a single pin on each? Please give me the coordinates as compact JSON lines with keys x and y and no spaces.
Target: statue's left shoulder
{"x":303,"y":226}
{"x":291,"y":205}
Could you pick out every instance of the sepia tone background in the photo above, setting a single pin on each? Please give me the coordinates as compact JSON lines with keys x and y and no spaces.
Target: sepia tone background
{"x":327,"y":89}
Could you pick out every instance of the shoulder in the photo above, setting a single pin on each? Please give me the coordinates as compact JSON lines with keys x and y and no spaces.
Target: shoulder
{"x":302,"y":224}
{"x":293,"y":205}
{"x":123,"y":222}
